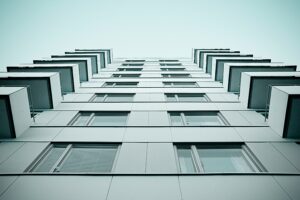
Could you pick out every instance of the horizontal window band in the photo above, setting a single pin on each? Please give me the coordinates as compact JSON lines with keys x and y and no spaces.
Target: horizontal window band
{"x":151,"y":174}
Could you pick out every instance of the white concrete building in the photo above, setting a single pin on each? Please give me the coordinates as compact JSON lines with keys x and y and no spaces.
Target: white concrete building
{"x":219,"y":125}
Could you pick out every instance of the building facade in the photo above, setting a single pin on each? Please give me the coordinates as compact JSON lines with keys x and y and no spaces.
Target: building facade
{"x":85,"y":125}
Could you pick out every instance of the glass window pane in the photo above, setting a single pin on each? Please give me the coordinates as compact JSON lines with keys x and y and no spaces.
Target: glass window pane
{"x":184,"y":84}
{"x":223,"y":160}
{"x":171,"y":97}
{"x":176,"y":119}
{"x":109,"y":119}
{"x":186,"y":160}
{"x":119,"y":97}
{"x":202,"y":119}
{"x":99,"y":98}
{"x":126,"y":84}
{"x":51,"y":158}
{"x":168,"y":84}
{"x":191,"y":97}
{"x":108,"y":84}
{"x":89,"y":159}
{"x":82,"y":119}
{"x":179,"y":75}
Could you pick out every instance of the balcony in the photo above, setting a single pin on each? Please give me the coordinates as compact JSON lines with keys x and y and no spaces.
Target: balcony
{"x":211,"y":56}
{"x":202,"y":55}
{"x":286,"y":101}
{"x":101,"y":57}
{"x":68,"y":73}
{"x":44,"y":91}
{"x":108,"y":53}
{"x":219,"y":62}
{"x":15,"y":113}
{"x":93,"y":58}
{"x":84,"y":65}
{"x":233,"y":72}
{"x":256,"y":87}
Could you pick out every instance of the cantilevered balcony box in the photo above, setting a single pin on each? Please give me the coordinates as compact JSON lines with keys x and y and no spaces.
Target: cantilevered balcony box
{"x":256,"y":86}
{"x":84,"y":65}
{"x":197,"y":51}
{"x":233,"y":72}
{"x":108,"y":53}
{"x":207,"y":55}
{"x":202,"y":56}
{"x":210,"y":56}
{"x":103,"y":56}
{"x":284,"y":112}
{"x":94,"y":60}
{"x":219,"y":62}
{"x":68,"y":74}
{"x":14,"y":112}
{"x":43,"y":88}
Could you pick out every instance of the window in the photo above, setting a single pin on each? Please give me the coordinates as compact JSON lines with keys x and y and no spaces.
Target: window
{"x":130,"y":69}
{"x":134,"y":60}
{"x":216,"y":158}
{"x":170,"y":64}
{"x":180,"y":84}
{"x":197,"y":118}
{"x":126,"y":75}
{"x":100,"y":119}
{"x":120,"y":84}
{"x":172,"y":69}
{"x":168,"y":60}
{"x":76,"y":157}
{"x":133,"y":64}
{"x":186,"y":97}
{"x":175,"y":75}
{"x":112,"y":98}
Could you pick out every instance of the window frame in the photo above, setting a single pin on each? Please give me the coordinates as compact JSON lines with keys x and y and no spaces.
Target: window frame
{"x":106,"y":96}
{"x":252,"y":161}
{"x":177,"y":98}
{"x":92,"y":115}
{"x":133,"y":64}
{"x":172,"y":84}
{"x":129,"y":69}
{"x":67,"y":152}
{"x":114,"y":84}
{"x":184,"y":123}
{"x":125,"y":75}
{"x":169,"y":69}
{"x":181,"y":75}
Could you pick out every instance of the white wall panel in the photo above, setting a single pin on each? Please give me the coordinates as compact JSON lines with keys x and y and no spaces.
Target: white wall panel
{"x":8,"y":148}
{"x":157,"y":118}
{"x":290,"y":184}
{"x":291,"y":151}
{"x":132,"y":158}
{"x":146,"y":188}
{"x":204,"y":134}
{"x":138,"y":119}
{"x":161,"y":158}
{"x":235,"y":118}
{"x":231,"y":188}
{"x":271,"y":159}
{"x":58,"y":187}
{"x":21,"y":159}
{"x":91,"y":134}
{"x":62,"y":118}
{"x":258,"y":134}
{"x":254,"y":118}
{"x":149,"y":134}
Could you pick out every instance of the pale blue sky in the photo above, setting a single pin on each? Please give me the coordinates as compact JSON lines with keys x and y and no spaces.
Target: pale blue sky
{"x":135,"y":28}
